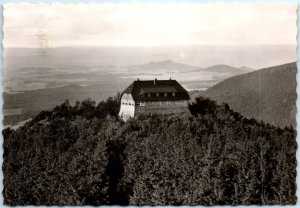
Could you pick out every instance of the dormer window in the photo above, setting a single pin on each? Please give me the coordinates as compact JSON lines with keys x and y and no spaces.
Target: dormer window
{"x":173,"y":94}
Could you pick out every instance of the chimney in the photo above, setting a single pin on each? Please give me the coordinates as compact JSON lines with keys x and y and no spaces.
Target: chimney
{"x":170,"y":78}
{"x":138,"y":79}
{"x":155,"y":81}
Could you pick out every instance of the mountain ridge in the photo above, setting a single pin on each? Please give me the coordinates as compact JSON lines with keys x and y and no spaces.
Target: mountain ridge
{"x":268,"y":94}
{"x":169,"y":64}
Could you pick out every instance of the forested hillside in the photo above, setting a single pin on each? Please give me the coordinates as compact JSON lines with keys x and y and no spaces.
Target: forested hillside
{"x":268,"y":94}
{"x":84,"y":155}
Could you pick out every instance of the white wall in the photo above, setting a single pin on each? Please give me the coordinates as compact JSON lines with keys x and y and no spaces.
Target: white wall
{"x":127,"y":108}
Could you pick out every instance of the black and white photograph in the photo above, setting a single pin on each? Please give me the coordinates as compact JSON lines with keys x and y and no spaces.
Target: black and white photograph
{"x":149,"y":104}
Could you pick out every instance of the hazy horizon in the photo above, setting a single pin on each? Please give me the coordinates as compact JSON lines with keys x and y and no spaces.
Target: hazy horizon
{"x":253,"y":56}
{"x":199,"y":34}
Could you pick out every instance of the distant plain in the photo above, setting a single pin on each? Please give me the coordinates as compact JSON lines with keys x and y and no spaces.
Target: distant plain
{"x":39,"y":79}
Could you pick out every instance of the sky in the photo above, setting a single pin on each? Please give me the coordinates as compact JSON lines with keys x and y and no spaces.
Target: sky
{"x":146,"y":25}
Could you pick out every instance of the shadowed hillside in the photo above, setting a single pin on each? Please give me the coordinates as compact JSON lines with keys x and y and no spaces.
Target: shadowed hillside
{"x":268,"y":94}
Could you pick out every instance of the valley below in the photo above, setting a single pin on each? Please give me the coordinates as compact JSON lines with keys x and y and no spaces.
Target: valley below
{"x":36,"y":80}
{"x":31,"y":89}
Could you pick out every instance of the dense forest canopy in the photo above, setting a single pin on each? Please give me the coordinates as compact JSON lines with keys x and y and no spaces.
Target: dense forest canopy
{"x":85,"y":155}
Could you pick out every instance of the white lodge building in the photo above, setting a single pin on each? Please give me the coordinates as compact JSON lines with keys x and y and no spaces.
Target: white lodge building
{"x":153,"y":97}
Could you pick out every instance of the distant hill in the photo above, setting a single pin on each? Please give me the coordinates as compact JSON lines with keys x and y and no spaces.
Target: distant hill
{"x":246,"y":68}
{"x":170,"y":66}
{"x":268,"y":94}
{"x":192,"y":77}
{"x":163,"y":66}
{"x":222,"y":68}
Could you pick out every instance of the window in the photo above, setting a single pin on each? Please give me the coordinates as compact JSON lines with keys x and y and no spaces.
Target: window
{"x":149,"y":95}
{"x":157,"y":94}
{"x":173,"y":94}
{"x":166,"y":94}
{"x":142,"y":103}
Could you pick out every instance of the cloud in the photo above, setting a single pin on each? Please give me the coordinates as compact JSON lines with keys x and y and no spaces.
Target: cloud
{"x":134,"y":24}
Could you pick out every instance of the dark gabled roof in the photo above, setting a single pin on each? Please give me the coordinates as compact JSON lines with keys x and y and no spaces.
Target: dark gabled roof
{"x":157,"y":90}
{"x":139,"y":90}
